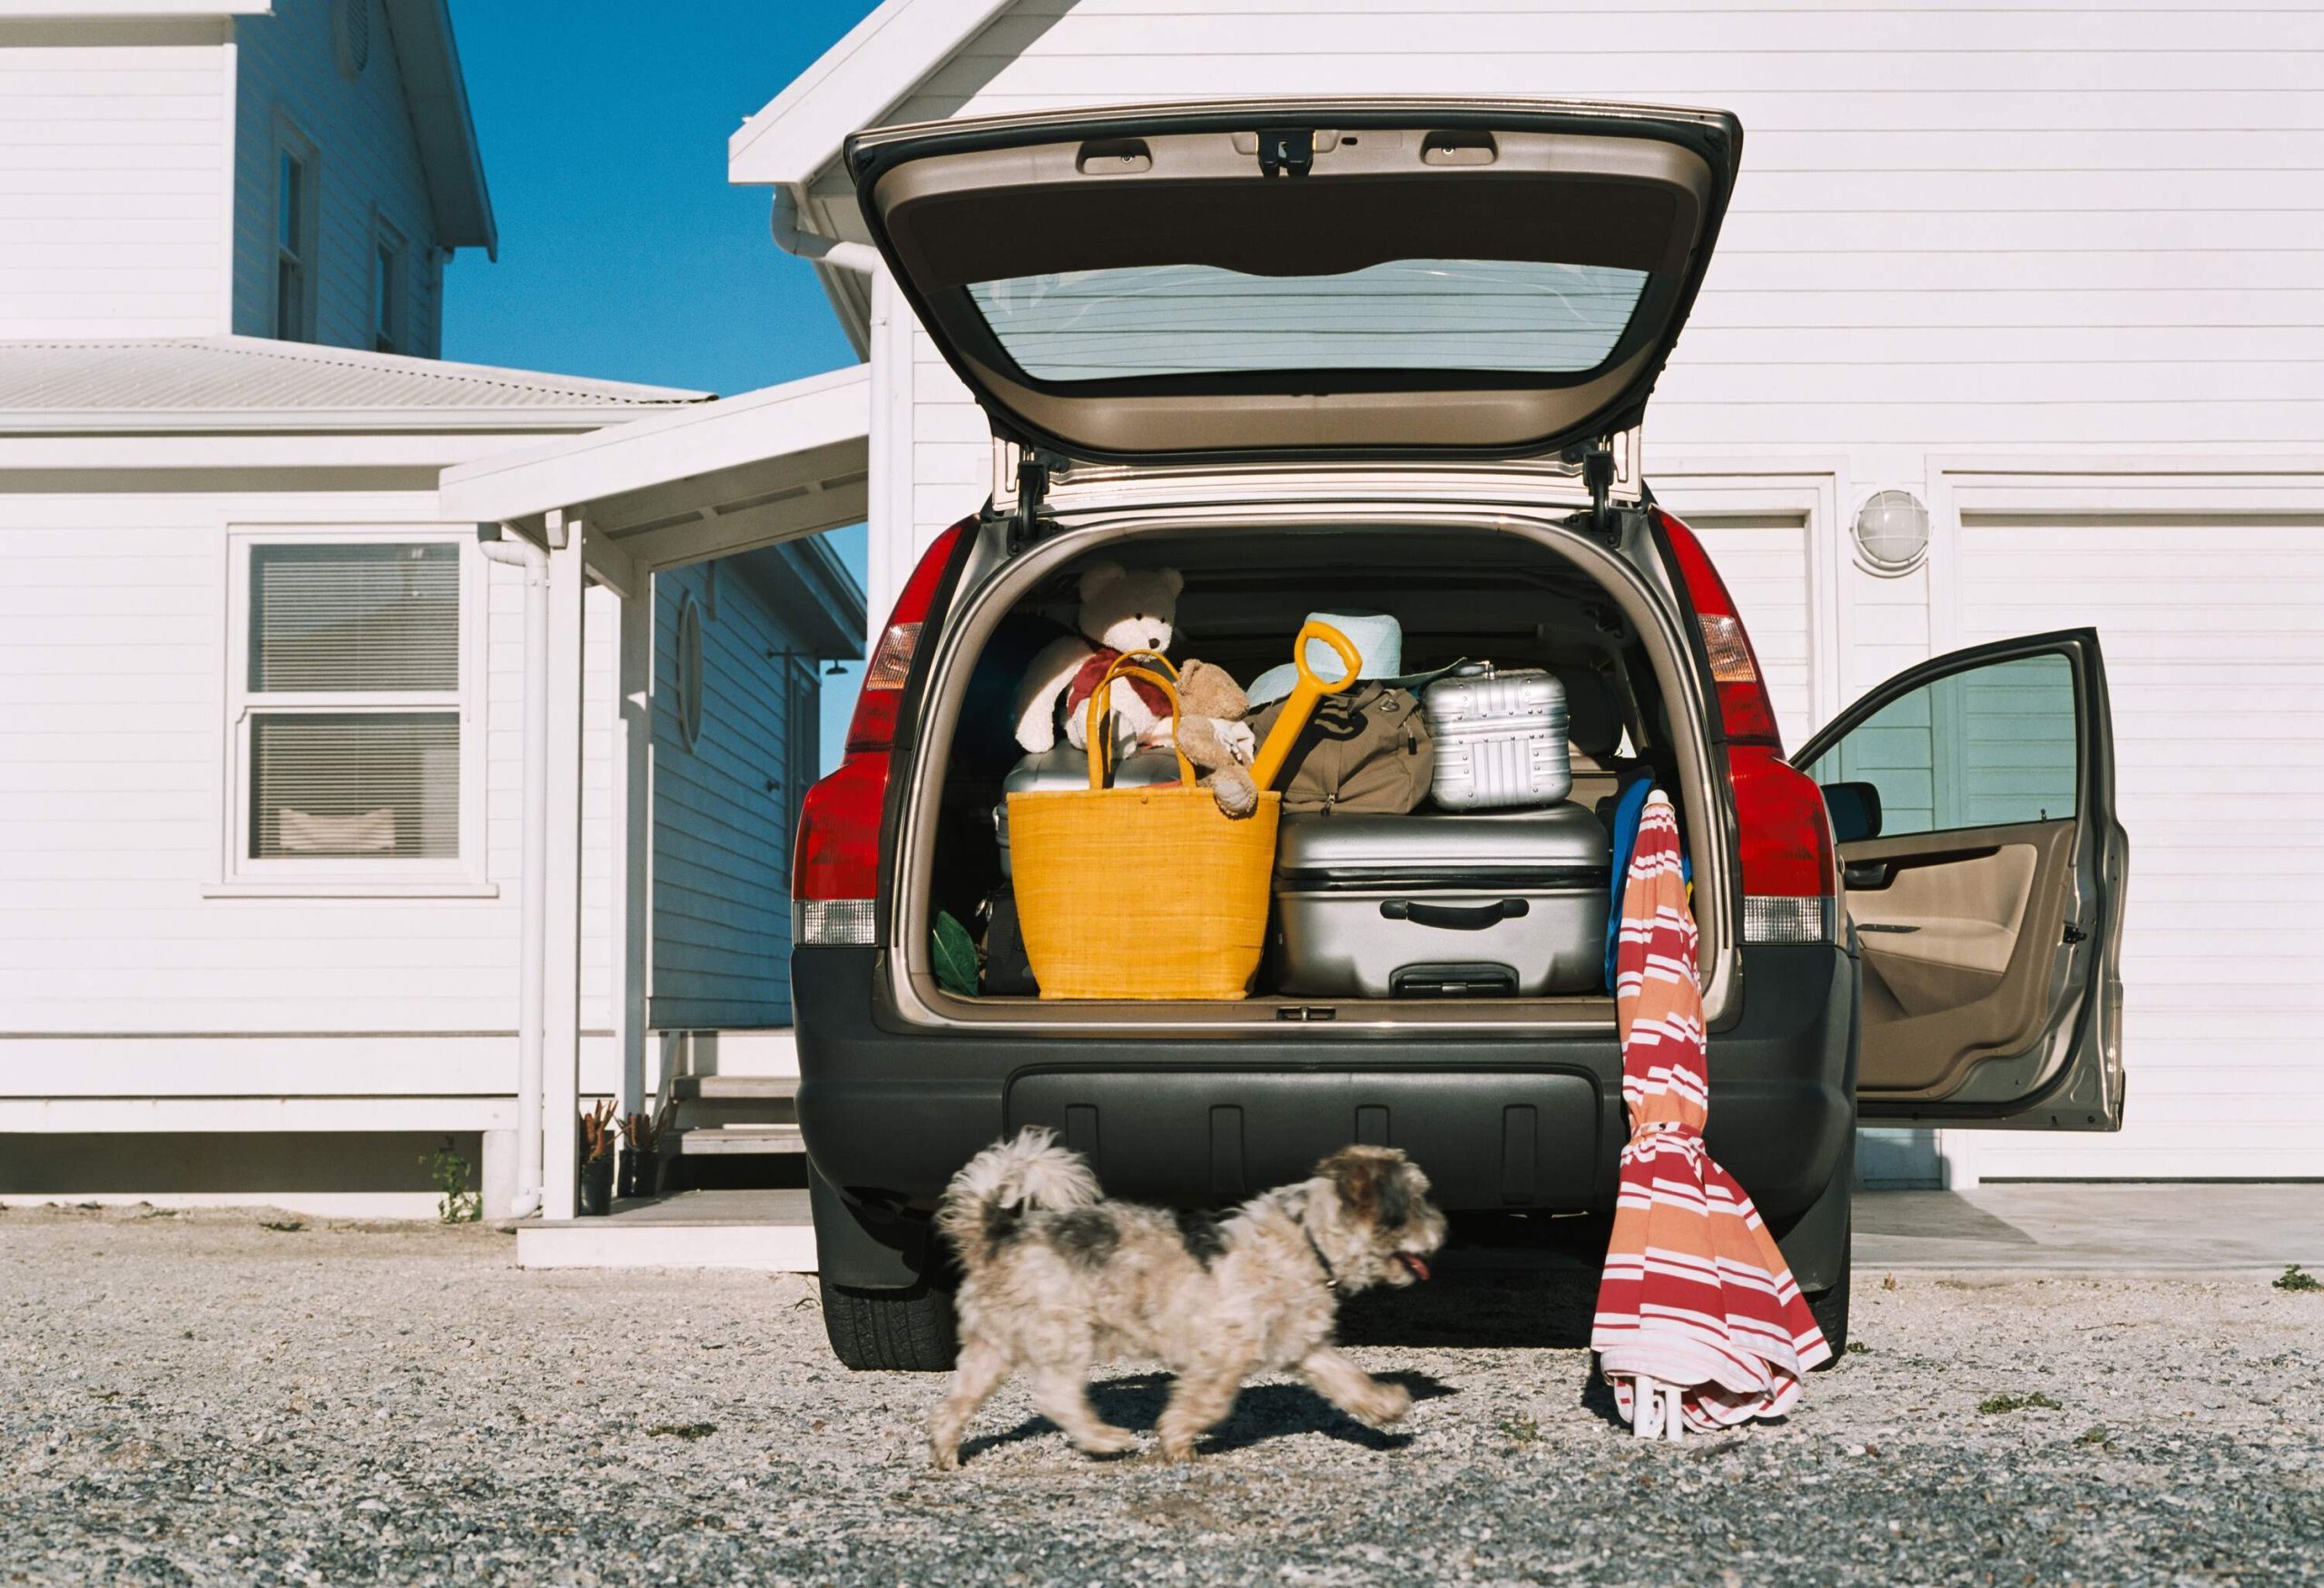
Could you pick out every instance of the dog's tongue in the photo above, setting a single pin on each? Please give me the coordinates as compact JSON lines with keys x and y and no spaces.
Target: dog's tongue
{"x":1419,"y":1266}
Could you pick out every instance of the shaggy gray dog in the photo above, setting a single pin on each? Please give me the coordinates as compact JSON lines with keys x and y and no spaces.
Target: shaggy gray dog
{"x":1060,"y":1278}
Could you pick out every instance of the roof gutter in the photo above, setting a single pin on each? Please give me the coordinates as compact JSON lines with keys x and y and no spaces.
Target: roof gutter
{"x":789,"y":236}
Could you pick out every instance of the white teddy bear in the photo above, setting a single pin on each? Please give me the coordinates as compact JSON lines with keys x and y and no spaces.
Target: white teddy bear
{"x":1121,"y":611}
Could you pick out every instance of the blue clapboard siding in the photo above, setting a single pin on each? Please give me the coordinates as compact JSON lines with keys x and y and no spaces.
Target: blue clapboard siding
{"x":721,"y":837}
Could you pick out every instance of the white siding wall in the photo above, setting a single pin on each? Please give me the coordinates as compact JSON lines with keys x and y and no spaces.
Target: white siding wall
{"x":2213,"y":630}
{"x":367,"y":166}
{"x":123,"y":975}
{"x":113,"y":142}
{"x":2087,"y":231}
{"x":1976,"y":227}
{"x":2063,"y":227}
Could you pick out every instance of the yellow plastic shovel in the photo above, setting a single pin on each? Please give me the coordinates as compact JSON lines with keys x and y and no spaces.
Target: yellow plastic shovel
{"x":1300,"y":704}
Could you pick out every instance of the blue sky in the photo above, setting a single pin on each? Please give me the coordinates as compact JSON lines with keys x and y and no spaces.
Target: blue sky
{"x":623,"y":253}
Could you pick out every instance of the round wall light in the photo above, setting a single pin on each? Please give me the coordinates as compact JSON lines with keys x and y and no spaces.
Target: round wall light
{"x":1892,"y":532}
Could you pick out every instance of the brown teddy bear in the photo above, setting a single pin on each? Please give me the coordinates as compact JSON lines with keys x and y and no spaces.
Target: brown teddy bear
{"x":1214,"y":737}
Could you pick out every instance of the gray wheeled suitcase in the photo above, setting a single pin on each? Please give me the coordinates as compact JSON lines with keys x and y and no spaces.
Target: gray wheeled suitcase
{"x":1064,"y":767}
{"x":1507,"y":903}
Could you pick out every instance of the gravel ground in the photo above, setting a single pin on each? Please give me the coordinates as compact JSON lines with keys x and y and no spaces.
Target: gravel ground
{"x":202,"y":1398}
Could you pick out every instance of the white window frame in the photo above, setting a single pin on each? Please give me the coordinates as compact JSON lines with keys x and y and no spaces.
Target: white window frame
{"x":391,"y":284}
{"x":291,"y":144}
{"x":460,"y":876}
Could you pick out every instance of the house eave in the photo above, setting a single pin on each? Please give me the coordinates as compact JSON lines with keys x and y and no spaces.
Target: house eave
{"x":297,"y":421}
{"x":128,"y":9}
{"x":443,"y":123}
{"x":878,"y":60}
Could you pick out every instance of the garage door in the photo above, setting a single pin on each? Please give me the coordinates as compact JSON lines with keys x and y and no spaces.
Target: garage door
{"x":2213,"y":630}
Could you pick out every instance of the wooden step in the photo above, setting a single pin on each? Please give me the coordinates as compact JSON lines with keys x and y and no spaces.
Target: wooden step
{"x":771,"y":1231}
{"x":731,"y":1140}
{"x":733,"y":1087}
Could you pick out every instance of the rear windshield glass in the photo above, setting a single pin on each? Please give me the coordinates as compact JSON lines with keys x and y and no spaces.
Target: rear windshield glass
{"x":1484,"y":315}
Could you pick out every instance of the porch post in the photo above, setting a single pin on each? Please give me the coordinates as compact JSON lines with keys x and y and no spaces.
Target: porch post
{"x":561,"y":983}
{"x":633,"y":841}
{"x":889,"y":510}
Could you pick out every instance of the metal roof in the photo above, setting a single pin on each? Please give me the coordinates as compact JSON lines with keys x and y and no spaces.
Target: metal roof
{"x":239,"y":382}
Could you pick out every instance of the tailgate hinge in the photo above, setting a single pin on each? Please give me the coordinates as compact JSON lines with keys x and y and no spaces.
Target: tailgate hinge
{"x":1598,"y":475}
{"x":1032,"y":494}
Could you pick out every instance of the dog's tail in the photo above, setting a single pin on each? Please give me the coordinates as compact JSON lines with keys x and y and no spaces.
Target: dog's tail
{"x":1007,"y":1180}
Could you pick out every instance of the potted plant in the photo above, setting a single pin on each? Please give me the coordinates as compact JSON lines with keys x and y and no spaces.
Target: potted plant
{"x":641,"y":1160}
{"x":597,"y":1161}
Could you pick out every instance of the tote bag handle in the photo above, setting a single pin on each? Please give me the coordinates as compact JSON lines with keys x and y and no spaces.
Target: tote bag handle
{"x":1126,"y":665}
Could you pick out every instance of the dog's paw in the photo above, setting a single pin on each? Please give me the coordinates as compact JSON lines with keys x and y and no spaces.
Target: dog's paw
{"x":944,"y":1458}
{"x":1383,"y":1404}
{"x":1107,"y":1441}
{"x":1171,"y":1452}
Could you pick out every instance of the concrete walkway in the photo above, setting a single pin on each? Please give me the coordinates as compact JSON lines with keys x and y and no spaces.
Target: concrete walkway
{"x":2158,"y":1227}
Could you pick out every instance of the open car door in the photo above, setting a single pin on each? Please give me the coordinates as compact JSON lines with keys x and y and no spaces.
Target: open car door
{"x":1973,"y":797}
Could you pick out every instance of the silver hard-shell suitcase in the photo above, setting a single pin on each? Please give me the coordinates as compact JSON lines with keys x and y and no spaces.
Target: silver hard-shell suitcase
{"x":1501,"y":738}
{"x":1064,"y":767}
{"x":1507,"y":903}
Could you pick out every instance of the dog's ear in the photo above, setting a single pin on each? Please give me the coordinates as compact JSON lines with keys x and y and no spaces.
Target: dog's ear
{"x":1395,"y":1196}
{"x":1370,"y":1183}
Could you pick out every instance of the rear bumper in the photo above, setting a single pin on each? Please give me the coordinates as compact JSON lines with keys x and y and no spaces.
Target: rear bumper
{"x":1498,"y":1121}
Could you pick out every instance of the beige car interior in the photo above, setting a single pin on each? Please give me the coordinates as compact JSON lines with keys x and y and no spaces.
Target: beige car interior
{"x":1959,"y":938}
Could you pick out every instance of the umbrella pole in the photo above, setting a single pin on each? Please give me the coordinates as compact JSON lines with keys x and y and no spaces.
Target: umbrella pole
{"x":1654,"y":1409}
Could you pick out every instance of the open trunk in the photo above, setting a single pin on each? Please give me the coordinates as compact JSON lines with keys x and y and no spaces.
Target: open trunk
{"x":1522,"y":593}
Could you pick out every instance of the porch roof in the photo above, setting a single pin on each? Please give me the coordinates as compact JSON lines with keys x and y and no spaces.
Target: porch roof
{"x":708,"y":481}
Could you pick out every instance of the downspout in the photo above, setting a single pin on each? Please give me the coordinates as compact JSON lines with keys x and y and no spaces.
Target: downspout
{"x":860,"y":257}
{"x":532,"y":1003}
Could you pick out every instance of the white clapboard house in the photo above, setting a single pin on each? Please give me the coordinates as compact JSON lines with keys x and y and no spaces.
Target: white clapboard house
{"x":2052,"y":275}
{"x":2017,"y":323}
{"x":274,"y":823}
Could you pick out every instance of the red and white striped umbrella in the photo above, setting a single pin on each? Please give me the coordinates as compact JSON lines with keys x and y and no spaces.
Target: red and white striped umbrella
{"x":1699,"y":1322}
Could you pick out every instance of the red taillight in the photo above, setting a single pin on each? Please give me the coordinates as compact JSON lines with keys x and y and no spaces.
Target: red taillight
{"x":1743,"y":705}
{"x":835,"y":863}
{"x":1791,"y":874}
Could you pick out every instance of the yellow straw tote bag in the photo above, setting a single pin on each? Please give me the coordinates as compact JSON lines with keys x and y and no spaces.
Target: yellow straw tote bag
{"x":1140,"y":892}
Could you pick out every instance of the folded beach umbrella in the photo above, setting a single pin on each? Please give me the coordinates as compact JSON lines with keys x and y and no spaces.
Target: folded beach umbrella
{"x":1699,"y":1322}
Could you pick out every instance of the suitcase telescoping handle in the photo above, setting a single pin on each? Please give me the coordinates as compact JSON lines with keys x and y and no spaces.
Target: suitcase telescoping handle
{"x":1454,"y":917}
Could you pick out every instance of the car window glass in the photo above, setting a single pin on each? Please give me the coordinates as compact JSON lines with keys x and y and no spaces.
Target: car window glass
{"x":1497,"y":315}
{"x":1989,"y":747}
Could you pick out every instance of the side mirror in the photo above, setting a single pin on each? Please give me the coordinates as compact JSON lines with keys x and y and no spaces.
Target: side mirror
{"x":1854,"y":808}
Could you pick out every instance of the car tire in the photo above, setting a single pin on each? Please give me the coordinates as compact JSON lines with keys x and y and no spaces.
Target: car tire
{"x":896,"y":1331}
{"x":1831,"y":1310}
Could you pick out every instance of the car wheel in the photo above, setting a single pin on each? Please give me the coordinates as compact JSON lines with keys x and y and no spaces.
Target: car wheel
{"x":905,"y":1331}
{"x":1831,"y":1310}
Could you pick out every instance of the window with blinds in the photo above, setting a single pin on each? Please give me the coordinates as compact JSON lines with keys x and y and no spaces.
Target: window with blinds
{"x":353,"y":705}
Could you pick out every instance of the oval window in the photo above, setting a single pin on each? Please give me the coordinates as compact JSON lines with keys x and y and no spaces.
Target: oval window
{"x":689,"y":671}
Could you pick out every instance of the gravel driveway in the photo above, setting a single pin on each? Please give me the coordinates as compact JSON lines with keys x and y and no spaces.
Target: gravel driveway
{"x":201,"y":1398}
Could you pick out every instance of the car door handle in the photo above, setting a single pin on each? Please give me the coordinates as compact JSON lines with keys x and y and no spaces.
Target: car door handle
{"x":1873,"y":874}
{"x":1454,"y":917}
